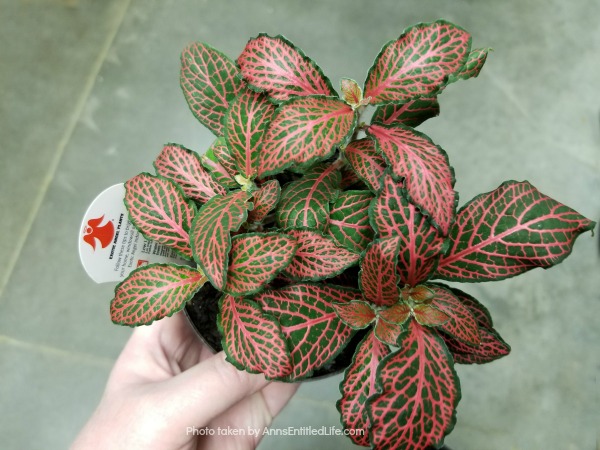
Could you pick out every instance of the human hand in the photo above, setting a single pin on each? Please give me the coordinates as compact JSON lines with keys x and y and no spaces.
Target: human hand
{"x":165,"y":382}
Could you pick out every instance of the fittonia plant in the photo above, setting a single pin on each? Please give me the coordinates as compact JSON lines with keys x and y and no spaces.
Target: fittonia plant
{"x":297,"y":194}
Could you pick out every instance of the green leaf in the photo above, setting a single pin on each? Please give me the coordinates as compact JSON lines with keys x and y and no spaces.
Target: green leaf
{"x":210,"y":81}
{"x":159,"y":209}
{"x":473,"y":66}
{"x":219,"y":164}
{"x":256,"y":259}
{"x":305,"y":130}
{"x":305,"y":203}
{"x":152,"y":292}
{"x":349,"y":220}
{"x":210,"y":235}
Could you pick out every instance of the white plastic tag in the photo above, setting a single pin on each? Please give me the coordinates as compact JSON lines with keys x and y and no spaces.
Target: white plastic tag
{"x":110,"y":247}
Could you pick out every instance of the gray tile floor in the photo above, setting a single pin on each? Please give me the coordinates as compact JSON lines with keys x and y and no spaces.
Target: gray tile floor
{"x":89,"y":93}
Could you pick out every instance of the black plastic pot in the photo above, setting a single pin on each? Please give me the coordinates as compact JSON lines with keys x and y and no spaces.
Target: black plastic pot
{"x":202,"y":313}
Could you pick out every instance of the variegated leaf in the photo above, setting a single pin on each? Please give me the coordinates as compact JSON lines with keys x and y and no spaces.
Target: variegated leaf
{"x":349,"y":178}
{"x":418,"y":63}
{"x":159,"y":209}
{"x":429,"y":316}
{"x":251,"y":339}
{"x":303,"y":130}
{"x":358,"y":385}
{"x":210,"y":235}
{"x":480,"y":313}
{"x":264,"y":199}
{"x":419,"y":391}
{"x":256,"y":259}
{"x":349,"y":220}
{"x":508,"y":231}
{"x":387,"y":332}
{"x":377,"y":278}
{"x":210,"y":81}
{"x":411,"y":113}
{"x":357,"y":313}
{"x":275,"y":65}
{"x":398,"y":313}
{"x":305,"y":203}
{"x":152,"y":292}
{"x":462,"y":325}
{"x":420,"y":245}
{"x":366,"y":162}
{"x":225,"y":170}
{"x":317,"y":256}
{"x":352,"y":93}
{"x":491,"y":348}
{"x":246,"y":122}
{"x":184,"y":168}
{"x":473,"y":66}
{"x":313,"y":329}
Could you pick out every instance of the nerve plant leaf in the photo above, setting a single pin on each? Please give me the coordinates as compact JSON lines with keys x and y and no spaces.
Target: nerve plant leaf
{"x":314,"y":332}
{"x":420,"y":245}
{"x":366,"y":162}
{"x":317,"y":256}
{"x":358,"y":385}
{"x":424,"y":167}
{"x":480,"y":313}
{"x":275,"y":65}
{"x":221,"y":165}
{"x":473,"y":66}
{"x":491,"y":348}
{"x":153,"y":292}
{"x":305,"y":203}
{"x":357,"y":313}
{"x":508,"y":231}
{"x":419,"y":391}
{"x":349,"y":220}
{"x":352,"y":93}
{"x":378,"y":278}
{"x":210,"y":81}
{"x":210,"y":235}
{"x":246,"y":121}
{"x":183,"y":166}
{"x":264,"y":199}
{"x":418,"y":63}
{"x":158,"y":208}
{"x":305,"y":129}
{"x":411,"y":113}
{"x":256,"y":259}
{"x":252,"y":339}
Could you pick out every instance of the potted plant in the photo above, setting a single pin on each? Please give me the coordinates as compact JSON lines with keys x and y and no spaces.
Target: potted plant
{"x":317,"y":240}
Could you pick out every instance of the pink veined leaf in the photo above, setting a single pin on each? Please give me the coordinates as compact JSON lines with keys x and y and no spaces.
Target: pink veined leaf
{"x":246,"y":122}
{"x":152,"y":292}
{"x":252,"y":340}
{"x":429,"y":316}
{"x":183,"y":166}
{"x":419,"y":391}
{"x":377,"y":278}
{"x":509,"y":231}
{"x":366,"y":162}
{"x":317,"y":256}
{"x":418,"y":63}
{"x":349,"y":220}
{"x":411,"y":113}
{"x":314,"y":332}
{"x":420,"y":245}
{"x":305,"y":203}
{"x":356,"y":314}
{"x":349,"y":178}
{"x":387,"y":332}
{"x":358,"y":385}
{"x":424,"y":167}
{"x":491,"y":348}
{"x":473,"y":66}
{"x":219,"y":162}
{"x":255,"y":259}
{"x":210,"y":235}
{"x":275,"y":65}
{"x":352,"y":93}
{"x":209,"y":80}
{"x":265,"y":199}
{"x":397,"y":314}
{"x":305,"y":129}
{"x":462,"y":325}
{"x":480,"y":313}
{"x":158,"y":208}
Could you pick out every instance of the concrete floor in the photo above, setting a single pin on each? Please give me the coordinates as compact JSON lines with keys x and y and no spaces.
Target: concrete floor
{"x":89,"y":93}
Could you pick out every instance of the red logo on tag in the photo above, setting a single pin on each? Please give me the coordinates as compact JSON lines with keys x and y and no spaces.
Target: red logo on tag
{"x":104,"y":233}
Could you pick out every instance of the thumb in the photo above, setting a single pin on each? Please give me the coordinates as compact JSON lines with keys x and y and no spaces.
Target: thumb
{"x":208,"y":389}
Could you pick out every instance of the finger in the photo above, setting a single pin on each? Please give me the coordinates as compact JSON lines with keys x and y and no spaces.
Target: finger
{"x":277,"y":394}
{"x":208,"y":389}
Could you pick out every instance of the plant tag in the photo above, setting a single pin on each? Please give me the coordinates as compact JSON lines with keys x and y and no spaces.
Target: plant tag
{"x":110,"y":246}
